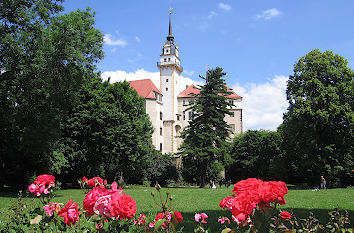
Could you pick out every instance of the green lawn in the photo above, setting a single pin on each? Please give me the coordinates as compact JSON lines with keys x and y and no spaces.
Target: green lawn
{"x":192,"y":200}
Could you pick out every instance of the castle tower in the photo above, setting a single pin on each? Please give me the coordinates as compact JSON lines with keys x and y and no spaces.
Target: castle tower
{"x":170,"y":70}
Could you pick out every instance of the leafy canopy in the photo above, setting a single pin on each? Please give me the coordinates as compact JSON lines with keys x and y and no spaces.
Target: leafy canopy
{"x":318,"y":127}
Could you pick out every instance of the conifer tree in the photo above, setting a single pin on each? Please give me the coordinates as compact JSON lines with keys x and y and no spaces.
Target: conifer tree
{"x":205,"y":139}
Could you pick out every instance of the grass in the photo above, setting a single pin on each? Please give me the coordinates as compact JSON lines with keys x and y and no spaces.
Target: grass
{"x":191,"y":200}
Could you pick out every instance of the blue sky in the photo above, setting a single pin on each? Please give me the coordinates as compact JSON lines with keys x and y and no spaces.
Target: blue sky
{"x":256,"y":42}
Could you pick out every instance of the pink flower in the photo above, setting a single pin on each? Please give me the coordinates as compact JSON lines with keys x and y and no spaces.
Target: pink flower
{"x":70,"y":213}
{"x":151,"y":225}
{"x":52,"y":207}
{"x":223,"y":220}
{"x":91,"y":198}
{"x":197,"y":217}
{"x":101,"y":206}
{"x":141,"y":220}
{"x":34,"y":189}
{"x":202,"y":216}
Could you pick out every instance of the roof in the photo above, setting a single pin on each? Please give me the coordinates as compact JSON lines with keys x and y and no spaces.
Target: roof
{"x":145,"y":88}
{"x":188,"y":92}
{"x":191,"y":91}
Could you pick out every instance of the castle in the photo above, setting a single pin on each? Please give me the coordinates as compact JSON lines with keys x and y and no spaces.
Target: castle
{"x":167,"y":107}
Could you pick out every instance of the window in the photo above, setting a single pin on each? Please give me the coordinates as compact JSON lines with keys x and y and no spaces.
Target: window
{"x":184,"y":115}
{"x":166,"y":88}
{"x":232,"y":114}
{"x":178,"y":118}
{"x":161,"y":131}
{"x":232,"y":128}
{"x":164,"y":60}
{"x":231,"y":102}
{"x":169,"y":59}
{"x":160,"y":115}
{"x":190,"y":115}
{"x":185,"y":102}
{"x":161,"y":147}
{"x":166,"y":50}
{"x":166,"y":80}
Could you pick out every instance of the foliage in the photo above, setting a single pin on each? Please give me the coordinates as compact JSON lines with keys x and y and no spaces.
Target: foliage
{"x":256,"y":153}
{"x":318,"y":127}
{"x":107,"y":134}
{"x":205,"y":138}
{"x":161,"y":169}
{"x":44,"y":58}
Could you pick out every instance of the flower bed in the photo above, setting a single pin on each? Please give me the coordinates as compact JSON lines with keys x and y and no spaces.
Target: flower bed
{"x":253,"y":207}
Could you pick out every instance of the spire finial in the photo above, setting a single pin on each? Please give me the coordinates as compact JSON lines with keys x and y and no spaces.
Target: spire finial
{"x":170,"y":25}
{"x":170,"y":37}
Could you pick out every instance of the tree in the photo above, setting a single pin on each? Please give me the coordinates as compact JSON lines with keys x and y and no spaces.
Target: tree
{"x":318,"y":127}
{"x":44,"y":58}
{"x":106,"y":134}
{"x":257,"y":153}
{"x":205,"y":138}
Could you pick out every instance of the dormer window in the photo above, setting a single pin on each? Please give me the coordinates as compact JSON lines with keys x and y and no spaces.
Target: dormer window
{"x":166,"y":50}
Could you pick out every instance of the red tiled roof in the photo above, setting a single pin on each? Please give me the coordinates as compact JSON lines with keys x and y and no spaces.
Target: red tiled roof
{"x":191,"y":90}
{"x":145,"y":88}
{"x":188,"y":91}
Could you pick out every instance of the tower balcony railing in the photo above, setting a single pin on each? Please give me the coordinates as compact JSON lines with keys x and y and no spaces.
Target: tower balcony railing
{"x":169,"y":63}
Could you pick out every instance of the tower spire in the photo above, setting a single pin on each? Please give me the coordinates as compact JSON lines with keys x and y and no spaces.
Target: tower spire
{"x":170,"y":37}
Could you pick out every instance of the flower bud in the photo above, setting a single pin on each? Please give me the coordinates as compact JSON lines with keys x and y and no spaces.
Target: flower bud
{"x":152,"y":194}
{"x":158,"y":187}
{"x":168,"y":192}
{"x":170,"y":197}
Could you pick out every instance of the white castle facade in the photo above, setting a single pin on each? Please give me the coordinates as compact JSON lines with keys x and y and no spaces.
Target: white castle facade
{"x":167,"y":107}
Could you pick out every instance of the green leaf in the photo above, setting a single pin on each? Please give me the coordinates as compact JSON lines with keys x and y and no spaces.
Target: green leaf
{"x":226,"y":230}
{"x":159,"y":223}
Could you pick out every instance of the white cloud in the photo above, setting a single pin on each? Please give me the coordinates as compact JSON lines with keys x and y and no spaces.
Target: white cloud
{"x":107,"y":39}
{"x":224,"y":6}
{"x":137,"y":39}
{"x":189,"y":72}
{"x":212,"y":14}
{"x":268,"y":14}
{"x":120,"y":75}
{"x":263,"y":103}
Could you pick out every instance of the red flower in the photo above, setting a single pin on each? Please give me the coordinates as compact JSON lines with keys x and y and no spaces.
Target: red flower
{"x":285,"y":215}
{"x":91,"y":198}
{"x":273,"y":191}
{"x":250,"y":184}
{"x":227,"y":202}
{"x":42,"y":184}
{"x":95,"y":181}
{"x":122,"y":206}
{"x":178,"y":216}
{"x":45,"y":180}
{"x":242,"y":207}
{"x":70,"y":213}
